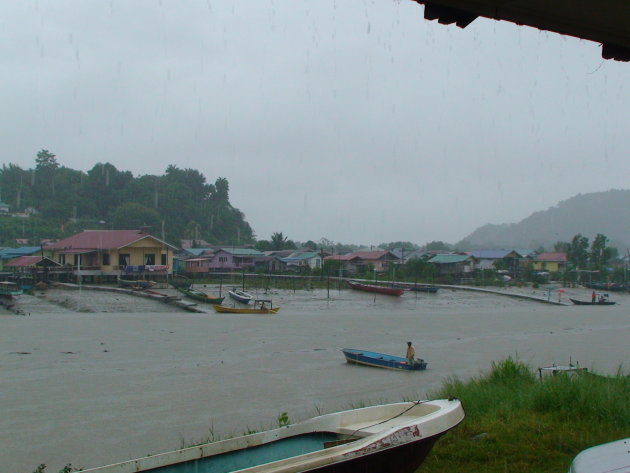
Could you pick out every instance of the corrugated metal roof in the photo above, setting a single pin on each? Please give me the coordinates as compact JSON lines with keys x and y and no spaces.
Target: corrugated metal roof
{"x":373,"y":255}
{"x":243,"y":251}
{"x":102,"y":240}
{"x":551,"y":257}
{"x":21,"y":251}
{"x":489,"y":254}
{"x":26,"y":261}
{"x":450,"y":258}
{"x":340,"y":257}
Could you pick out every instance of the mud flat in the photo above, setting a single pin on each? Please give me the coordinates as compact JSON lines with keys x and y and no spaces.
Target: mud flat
{"x":96,"y":377}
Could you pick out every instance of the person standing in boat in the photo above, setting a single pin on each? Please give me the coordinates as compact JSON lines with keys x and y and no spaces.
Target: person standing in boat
{"x":593,"y":297}
{"x":411,"y":353}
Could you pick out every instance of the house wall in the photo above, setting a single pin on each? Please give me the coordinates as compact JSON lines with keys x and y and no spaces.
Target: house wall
{"x":137,"y":253}
{"x":551,"y":266}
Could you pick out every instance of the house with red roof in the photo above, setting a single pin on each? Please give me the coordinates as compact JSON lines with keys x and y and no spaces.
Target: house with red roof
{"x":550,"y":262}
{"x":112,"y":252}
{"x":358,"y":261}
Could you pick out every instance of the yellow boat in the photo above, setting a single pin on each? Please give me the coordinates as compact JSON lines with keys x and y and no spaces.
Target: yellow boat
{"x":261,"y":306}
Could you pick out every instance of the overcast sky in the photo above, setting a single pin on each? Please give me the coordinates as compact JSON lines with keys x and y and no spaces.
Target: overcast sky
{"x":353,"y":120}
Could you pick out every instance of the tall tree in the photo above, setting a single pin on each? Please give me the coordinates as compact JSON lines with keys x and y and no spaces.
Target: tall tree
{"x":278,"y":241}
{"x":600,"y":252}
{"x":578,"y":251}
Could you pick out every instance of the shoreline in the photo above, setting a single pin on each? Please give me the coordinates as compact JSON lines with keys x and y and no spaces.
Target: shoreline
{"x":136,"y":377}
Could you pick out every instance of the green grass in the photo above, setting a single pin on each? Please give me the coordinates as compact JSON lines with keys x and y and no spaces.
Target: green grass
{"x":515,"y":423}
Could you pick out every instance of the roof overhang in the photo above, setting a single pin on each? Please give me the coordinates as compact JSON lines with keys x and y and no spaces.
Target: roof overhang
{"x":603,"y":21}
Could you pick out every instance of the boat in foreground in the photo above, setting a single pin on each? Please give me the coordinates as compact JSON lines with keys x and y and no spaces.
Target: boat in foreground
{"x":390,"y":438}
{"x":608,"y":457}
{"x":199,"y":295}
{"x":261,"y":306}
{"x":381,"y":360}
{"x":240,"y":296}
{"x":389,"y":291}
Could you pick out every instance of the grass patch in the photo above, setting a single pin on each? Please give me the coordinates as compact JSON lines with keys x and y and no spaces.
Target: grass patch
{"x":518,"y":424}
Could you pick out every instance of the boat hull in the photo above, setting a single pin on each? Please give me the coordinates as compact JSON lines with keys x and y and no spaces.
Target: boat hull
{"x":391,"y":438}
{"x":244,"y":310}
{"x":240,"y":296}
{"x":381,"y":360}
{"x":429,"y":289}
{"x":578,"y":302}
{"x":200,"y":296}
{"x":388,"y":291}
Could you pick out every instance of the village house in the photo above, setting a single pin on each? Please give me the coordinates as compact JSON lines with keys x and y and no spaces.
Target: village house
{"x":550,"y":262}
{"x":380,"y":260}
{"x":347,"y":263}
{"x":226,"y":259}
{"x":9,"y":254}
{"x":490,"y":259}
{"x":112,"y":253}
{"x":300,"y":260}
{"x":455,"y":264}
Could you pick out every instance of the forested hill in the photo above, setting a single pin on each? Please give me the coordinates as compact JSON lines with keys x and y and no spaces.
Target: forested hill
{"x":61,"y":201}
{"x":607,"y":213}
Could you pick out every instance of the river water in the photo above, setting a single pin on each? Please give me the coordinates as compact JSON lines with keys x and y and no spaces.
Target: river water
{"x":122,"y":377}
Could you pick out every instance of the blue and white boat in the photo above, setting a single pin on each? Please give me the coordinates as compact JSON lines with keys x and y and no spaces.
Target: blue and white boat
{"x":381,"y":360}
{"x":390,"y":438}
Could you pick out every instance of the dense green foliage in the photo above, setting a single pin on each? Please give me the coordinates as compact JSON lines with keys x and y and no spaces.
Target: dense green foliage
{"x":177,"y":204}
{"x":517,"y":423}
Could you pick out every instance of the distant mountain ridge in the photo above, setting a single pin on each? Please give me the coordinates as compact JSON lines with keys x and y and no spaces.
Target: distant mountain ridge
{"x":599,"y":212}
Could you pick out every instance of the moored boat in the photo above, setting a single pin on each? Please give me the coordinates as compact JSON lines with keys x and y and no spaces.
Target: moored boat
{"x":390,"y":438}
{"x":430,"y":289}
{"x":9,"y":289}
{"x":389,"y":291}
{"x":199,"y":295}
{"x":240,"y":296}
{"x":381,"y":360}
{"x":261,"y":306}
{"x":136,"y":283}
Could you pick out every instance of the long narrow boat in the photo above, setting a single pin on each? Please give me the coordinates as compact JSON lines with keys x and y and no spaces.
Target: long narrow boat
{"x":199,"y":295}
{"x":389,"y":291}
{"x":390,"y":438}
{"x":240,"y":296}
{"x":261,"y":306}
{"x":136,"y":283}
{"x":604,"y":302}
{"x":430,"y":289}
{"x":381,"y":360}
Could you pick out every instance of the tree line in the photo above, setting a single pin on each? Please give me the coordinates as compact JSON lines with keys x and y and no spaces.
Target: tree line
{"x":178,"y":204}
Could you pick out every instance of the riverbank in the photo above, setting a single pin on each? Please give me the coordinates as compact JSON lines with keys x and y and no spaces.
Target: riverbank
{"x":510,"y":409}
{"x":131,"y":376}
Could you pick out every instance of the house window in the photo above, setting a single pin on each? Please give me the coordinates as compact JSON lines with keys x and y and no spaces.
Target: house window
{"x":77,"y":260}
{"x":105,"y":259}
{"x":123,"y":259}
{"x":149,"y":259}
{"x":222,"y":259}
{"x":62,"y":259}
{"x":163,"y":259}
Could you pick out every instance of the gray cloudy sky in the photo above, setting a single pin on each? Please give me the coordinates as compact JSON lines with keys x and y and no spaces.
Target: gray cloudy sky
{"x":353,"y":120}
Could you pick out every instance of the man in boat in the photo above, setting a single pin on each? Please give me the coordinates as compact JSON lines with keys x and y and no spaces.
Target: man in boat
{"x":411,"y":353}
